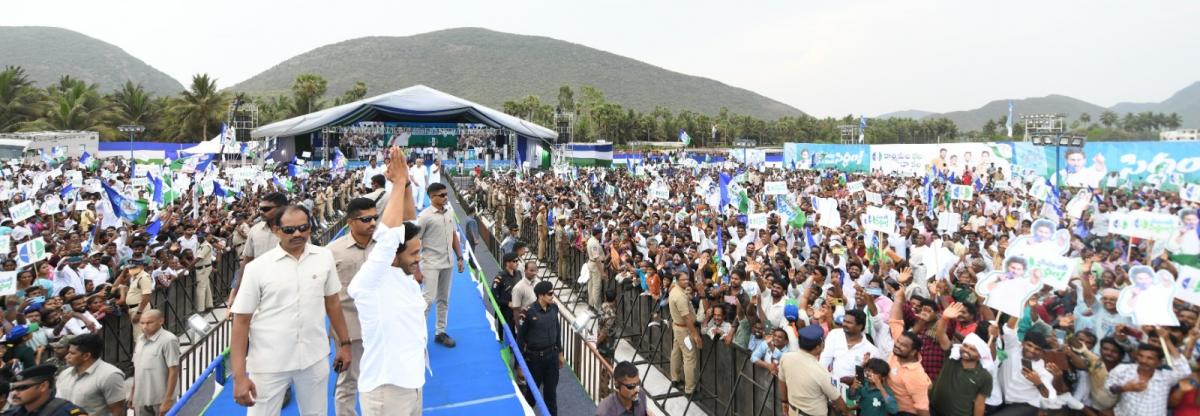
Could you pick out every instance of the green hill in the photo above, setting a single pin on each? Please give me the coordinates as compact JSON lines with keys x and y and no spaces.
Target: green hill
{"x":47,"y":53}
{"x":975,"y":119}
{"x":1185,"y":102}
{"x":492,"y":67}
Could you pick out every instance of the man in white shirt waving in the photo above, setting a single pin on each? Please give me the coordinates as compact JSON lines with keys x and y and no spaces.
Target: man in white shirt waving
{"x":391,"y":306}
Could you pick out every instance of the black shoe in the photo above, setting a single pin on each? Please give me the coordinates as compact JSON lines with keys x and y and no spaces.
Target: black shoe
{"x":445,"y":340}
{"x":678,"y":385}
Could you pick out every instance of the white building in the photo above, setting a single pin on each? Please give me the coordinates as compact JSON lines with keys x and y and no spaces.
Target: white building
{"x":1180,"y":135}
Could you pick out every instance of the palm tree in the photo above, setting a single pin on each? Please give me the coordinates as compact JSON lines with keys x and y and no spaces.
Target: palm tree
{"x":133,"y":105}
{"x":1173,"y":121}
{"x":355,"y":93}
{"x":200,"y":106}
{"x":308,"y":90}
{"x":20,"y":101}
{"x":1108,"y":119}
{"x":74,"y":105}
{"x":1085,"y":118}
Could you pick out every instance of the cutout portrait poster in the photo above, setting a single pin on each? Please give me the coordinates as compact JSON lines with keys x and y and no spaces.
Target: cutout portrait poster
{"x":1009,"y":289}
{"x":1149,"y":299}
{"x":1031,"y":261}
{"x":1044,"y":238}
{"x":1186,"y":241}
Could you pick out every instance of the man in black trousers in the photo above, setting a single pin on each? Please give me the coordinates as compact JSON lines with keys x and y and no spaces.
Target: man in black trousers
{"x":541,"y":345}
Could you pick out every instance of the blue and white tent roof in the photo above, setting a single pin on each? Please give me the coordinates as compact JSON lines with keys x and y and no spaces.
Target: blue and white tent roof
{"x":416,"y":103}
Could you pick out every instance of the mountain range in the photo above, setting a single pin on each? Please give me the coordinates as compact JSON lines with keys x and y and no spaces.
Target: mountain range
{"x":47,"y":53}
{"x":491,"y":67}
{"x":1185,"y":102}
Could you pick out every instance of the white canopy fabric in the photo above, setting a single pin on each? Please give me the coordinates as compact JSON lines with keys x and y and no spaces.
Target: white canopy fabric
{"x":416,"y":103}
{"x":211,"y":146}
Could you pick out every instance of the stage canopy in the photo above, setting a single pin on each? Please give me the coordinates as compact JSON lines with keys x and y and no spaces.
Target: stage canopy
{"x":413,"y":104}
{"x":211,"y":146}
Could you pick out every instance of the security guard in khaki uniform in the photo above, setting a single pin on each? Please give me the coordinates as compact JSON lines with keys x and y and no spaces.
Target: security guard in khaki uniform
{"x":32,"y":393}
{"x":683,"y":328}
{"x":204,"y":268}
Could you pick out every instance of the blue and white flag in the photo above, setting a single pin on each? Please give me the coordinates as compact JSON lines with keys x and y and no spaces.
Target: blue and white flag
{"x":129,"y":209}
{"x":1009,"y":123}
{"x":862,"y":129}
{"x":1052,"y":198}
{"x":218,"y":190}
{"x":204,"y":163}
{"x":291,"y":167}
{"x":724,"y":184}
{"x":339,"y":160}
{"x":683,"y":137}
{"x":87,"y":161}
{"x":154,"y":228}
{"x":67,"y":190}
{"x":157,"y":194}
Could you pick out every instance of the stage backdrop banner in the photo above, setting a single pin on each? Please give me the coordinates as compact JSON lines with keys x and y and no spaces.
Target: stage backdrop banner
{"x":950,"y":158}
{"x":844,"y":157}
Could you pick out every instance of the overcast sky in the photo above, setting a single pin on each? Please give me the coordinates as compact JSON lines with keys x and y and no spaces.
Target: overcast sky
{"x":827,"y":58}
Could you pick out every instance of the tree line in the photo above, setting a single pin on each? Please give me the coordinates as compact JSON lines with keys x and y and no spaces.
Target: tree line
{"x":193,"y":114}
{"x":197,"y":112}
{"x":595,"y":118}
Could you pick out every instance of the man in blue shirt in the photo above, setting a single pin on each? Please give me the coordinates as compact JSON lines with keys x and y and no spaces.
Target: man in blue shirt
{"x":767,"y":354}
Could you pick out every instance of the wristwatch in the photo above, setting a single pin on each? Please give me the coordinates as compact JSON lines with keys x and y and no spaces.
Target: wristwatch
{"x":344,"y":344}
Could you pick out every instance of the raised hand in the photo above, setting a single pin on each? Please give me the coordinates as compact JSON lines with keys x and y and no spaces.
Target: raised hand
{"x":397,"y":166}
{"x":953,"y":311}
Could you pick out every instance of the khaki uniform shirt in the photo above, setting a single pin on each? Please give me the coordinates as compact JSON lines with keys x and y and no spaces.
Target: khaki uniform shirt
{"x":809,"y":384}
{"x":140,"y":285}
{"x":437,"y":237}
{"x":94,"y":389}
{"x":349,"y":257}
{"x":260,"y":240}
{"x":204,"y":254}
{"x":152,"y":357}
{"x":679,"y":305}
{"x":522,"y":293}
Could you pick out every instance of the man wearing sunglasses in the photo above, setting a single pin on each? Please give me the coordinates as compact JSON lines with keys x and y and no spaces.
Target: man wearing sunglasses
{"x":630,"y":399}
{"x":32,"y":393}
{"x":391,"y":307}
{"x":438,"y":239}
{"x":350,"y":252}
{"x":279,"y":335}
{"x":260,"y":240}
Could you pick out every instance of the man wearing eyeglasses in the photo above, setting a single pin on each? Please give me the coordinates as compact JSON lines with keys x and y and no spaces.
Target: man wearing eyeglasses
{"x":32,"y":393}
{"x":350,"y":252}
{"x":438,"y":239}
{"x":279,"y":335}
{"x":630,"y":399}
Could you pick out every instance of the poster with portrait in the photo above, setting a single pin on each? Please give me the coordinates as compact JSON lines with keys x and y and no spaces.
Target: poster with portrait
{"x":1186,"y":241}
{"x":1044,"y":238}
{"x":1149,"y":299}
{"x":1031,"y":261}
{"x":1009,"y":289}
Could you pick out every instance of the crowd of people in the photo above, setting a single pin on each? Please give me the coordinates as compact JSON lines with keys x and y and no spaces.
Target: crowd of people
{"x":850,"y":320}
{"x":91,"y":244}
